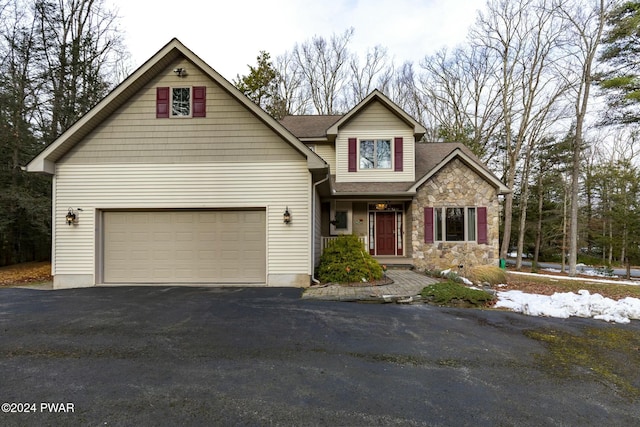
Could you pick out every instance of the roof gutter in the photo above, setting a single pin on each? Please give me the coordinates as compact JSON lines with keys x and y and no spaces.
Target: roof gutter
{"x":376,"y":195}
{"x":313,"y":232}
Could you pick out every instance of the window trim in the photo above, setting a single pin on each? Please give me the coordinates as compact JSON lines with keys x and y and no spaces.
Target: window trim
{"x":440,"y":224}
{"x":391,"y":142}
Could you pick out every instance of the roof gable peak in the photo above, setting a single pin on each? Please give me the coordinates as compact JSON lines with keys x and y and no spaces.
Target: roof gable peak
{"x":377,"y":95}
{"x":45,"y":160}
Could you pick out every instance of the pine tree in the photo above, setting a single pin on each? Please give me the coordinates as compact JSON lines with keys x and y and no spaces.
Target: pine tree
{"x":261,"y":86}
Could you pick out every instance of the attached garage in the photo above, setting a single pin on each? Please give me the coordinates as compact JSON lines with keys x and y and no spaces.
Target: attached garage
{"x":195,"y":197}
{"x":184,"y":246}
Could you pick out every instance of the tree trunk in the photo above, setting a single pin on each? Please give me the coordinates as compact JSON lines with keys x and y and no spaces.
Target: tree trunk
{"x":564,"y":230}
{"x":524,"y":203}
{"x":536,"y":251}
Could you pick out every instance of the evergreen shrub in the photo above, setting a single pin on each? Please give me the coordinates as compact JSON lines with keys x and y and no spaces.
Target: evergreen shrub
{"x":346,"y":261}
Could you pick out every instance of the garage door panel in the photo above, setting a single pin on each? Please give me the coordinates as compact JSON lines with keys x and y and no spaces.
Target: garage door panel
{"x":185,"y":247}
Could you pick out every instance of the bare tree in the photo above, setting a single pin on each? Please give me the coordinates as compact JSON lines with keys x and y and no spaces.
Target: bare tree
{"x":462,"y":97}
{"x":81,"y":47}
{"x":402,"y":89}
{"x":585,"y":25}
{"x":523,"y":35}
{"x":291,"y":85}
{"x":56,"y":59}
{"x":324,"y":64}
{"x":364,"y":78}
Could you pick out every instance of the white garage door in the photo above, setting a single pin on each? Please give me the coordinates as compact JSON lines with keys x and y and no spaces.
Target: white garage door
{"x":185,"y":247}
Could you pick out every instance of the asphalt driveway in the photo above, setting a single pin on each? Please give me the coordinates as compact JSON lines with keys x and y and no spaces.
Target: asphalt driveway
{"x":260,"y":356}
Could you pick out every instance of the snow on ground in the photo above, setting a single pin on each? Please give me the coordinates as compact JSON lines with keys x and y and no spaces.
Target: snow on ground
{"x":566,"y":304}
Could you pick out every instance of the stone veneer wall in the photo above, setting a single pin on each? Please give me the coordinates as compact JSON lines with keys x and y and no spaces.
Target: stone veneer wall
{"x":455,"y":185}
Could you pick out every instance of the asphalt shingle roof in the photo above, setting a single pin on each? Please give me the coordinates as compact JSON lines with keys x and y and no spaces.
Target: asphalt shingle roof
{"x":309,"y":126}
{"x":428,"y":155}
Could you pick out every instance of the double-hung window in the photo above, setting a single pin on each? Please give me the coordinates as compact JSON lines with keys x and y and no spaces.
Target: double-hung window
{"x":185,"y":101}
{"x":180,"y":102}
{"x":375,"y":154}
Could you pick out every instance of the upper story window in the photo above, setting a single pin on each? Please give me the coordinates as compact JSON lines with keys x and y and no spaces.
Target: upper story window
{"x":181,"y":102}
{"x":375,"y":154}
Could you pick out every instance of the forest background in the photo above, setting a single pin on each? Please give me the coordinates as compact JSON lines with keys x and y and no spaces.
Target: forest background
{"x":545,"y":92}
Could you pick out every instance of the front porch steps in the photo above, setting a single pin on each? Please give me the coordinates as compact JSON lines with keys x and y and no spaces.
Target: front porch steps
{"x":395,"y":262}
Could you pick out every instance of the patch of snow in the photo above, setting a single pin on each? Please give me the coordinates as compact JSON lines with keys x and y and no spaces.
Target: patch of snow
{"x":566,"y":304}
{"x":466,"y":281}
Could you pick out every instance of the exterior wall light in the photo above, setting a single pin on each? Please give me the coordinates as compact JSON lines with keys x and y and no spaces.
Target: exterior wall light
{"x":180,"y":72}
{"x":71,"y":217}
{"x":287,"y":216}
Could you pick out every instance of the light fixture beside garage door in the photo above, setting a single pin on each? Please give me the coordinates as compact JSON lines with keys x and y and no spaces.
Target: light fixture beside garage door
{"x":287,"y":216}
{"x":72,"y":217}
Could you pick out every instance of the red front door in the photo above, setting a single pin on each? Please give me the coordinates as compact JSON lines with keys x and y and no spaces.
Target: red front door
{"x":385,"y":233}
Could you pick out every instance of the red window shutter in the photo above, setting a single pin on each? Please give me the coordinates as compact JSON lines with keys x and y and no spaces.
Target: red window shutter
{"x":199,"y":101}
{"x":397,"y":143}
{"x":162,"y":102}
{"x":428,"y":225}
{"x":482,"y":225}
{"x":353,"y":155}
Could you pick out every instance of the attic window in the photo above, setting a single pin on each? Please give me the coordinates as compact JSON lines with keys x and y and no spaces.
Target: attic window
{"x":181,"y":102}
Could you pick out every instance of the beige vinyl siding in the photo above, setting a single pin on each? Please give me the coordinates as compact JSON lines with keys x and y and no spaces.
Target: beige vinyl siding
{"x":375,"y":122}
{"x":328,"y":154}
{"x":229,"y":132}
{"x":376,"y":116}
{"x":272,"y":186}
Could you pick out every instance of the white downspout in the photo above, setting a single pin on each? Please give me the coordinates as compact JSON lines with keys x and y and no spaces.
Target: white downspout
{"x":313,"y":231}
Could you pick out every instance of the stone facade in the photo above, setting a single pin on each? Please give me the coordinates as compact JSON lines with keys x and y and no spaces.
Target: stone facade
{"x":455,"y":185}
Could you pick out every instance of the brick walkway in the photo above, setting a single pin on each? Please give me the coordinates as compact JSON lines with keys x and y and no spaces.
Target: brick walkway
{"x":407,"y":283}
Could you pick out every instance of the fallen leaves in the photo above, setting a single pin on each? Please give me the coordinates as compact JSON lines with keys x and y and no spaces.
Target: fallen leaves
{"x":30,"y":272}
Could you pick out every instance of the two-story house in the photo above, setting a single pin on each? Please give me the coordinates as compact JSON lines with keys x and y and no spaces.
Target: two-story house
{"x":175,"y":177}
{"x":433,"y":205}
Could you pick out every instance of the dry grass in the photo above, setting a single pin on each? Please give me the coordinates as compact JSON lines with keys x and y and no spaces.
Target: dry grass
{"x":487,"y":273}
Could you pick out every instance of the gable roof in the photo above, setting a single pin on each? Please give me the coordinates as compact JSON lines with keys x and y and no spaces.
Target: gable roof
{"x":376,"y":95}
{"x":309,"y":127}
{"x":430,"y":159}
{"x":45,"y":161}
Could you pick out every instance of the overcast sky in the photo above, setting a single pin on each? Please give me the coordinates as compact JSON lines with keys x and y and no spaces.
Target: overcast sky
{"x":228,"y":35}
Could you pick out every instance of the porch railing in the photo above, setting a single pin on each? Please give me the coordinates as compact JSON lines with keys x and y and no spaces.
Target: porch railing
{"x":328,"y":241}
